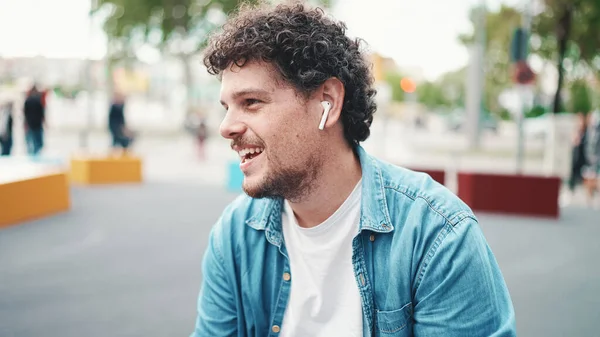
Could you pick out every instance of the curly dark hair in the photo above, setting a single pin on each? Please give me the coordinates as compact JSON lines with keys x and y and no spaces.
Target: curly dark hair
{"x":307,"y":48}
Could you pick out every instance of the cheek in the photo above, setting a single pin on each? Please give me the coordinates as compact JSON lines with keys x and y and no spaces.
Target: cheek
{"x":290,"y":133}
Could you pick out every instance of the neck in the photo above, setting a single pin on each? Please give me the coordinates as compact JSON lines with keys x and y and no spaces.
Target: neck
{"x":336,"y":181}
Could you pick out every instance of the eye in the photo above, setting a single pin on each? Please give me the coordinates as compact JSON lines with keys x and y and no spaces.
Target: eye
{"x":249,"y":102}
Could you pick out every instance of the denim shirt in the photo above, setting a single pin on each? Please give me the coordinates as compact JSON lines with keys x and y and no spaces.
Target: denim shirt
{"x":421,"y":262}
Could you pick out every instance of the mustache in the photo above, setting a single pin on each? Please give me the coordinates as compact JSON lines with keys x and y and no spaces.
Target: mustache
{"x":241,"y":142}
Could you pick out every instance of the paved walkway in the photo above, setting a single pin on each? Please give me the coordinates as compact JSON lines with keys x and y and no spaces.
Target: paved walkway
{"x":125,"y":261}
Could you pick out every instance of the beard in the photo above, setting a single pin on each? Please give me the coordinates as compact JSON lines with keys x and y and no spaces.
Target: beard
{"x":290,"y":183}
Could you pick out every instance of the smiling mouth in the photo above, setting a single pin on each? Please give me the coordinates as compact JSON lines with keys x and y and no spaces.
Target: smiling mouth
{"x":248,"y":154}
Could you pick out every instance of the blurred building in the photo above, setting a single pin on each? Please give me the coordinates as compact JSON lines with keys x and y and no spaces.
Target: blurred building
{"x":51,"y":72}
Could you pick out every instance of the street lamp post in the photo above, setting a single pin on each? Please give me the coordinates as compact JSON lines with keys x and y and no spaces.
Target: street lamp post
{"x":476,"y":79}
{"x":85,"y":132}
{"x":523,"y":89}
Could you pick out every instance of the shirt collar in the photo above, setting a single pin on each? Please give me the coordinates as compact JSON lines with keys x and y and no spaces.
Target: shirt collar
{"x":374,"y":211}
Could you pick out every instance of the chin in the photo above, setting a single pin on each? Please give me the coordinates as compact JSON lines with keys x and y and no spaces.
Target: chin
{"x":253,"y":187}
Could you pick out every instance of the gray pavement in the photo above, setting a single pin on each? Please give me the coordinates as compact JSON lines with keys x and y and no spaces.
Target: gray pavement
{"x":125,"y":261}
{"x":552,"y":270}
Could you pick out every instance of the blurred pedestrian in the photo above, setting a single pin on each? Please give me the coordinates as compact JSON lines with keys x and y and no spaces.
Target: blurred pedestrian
{"x":201,"y":135}
{"x":6,"y":127}
{"x":591,"y":172}
{"x":579,"y":154}
{"x":122,"y":136}
{"x":35,"y":120}
{"x":195,"y":124}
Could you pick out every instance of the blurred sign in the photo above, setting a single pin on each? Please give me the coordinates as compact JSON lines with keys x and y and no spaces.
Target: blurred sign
{"x":523,"y":74}
{"x":131,"y":81}
{"x":519,"y":45}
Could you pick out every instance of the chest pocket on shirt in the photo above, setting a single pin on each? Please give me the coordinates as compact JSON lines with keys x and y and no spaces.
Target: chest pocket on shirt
{"x":395,"y":322}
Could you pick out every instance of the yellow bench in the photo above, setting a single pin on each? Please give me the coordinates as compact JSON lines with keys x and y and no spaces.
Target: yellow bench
{"x":30,"y":195}
{"x":106,"y":170}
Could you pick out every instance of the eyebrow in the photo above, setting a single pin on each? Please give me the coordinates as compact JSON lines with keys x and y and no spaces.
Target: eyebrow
{"x":257,"y":92}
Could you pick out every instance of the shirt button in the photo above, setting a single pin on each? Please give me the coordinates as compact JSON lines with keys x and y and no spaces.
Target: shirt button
{"x":372,"y":237}
{"x":287,"y":276}
{"x":275,"y":328}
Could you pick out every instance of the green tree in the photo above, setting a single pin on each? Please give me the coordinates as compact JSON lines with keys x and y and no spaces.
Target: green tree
{"x":393,"y":80}
{"x":453,"y":86}
{"x":568,"y":30}
{"x":447,"y":91}
{"x":432,"y":95}
{"x":176,"y":27}
{"x":580,"y":100}
{"x":500,"y":26}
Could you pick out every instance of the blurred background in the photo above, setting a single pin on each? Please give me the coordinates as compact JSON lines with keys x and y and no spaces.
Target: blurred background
{"x":495,"y":87}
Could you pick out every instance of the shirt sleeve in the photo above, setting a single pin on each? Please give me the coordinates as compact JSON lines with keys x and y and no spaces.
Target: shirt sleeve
{"x":461,"y":291}
{"x":217,"y":314}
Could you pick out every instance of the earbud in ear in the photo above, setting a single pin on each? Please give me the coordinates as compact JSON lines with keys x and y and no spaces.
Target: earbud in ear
{"x":326,"y":107}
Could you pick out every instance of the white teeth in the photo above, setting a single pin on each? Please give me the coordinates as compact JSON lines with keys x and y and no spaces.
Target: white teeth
{"x":244,"y":152}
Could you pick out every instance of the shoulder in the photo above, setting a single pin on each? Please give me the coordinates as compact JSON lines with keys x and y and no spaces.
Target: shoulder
{"x":428,"y":219}
{"x":416,"y":192}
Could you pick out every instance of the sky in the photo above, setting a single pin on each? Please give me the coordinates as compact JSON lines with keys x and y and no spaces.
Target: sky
{"x":415,"y":33}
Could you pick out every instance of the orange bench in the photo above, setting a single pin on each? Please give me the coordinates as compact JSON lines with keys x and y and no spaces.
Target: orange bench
{"x":32,"y":193}
{"x":106,"y":169}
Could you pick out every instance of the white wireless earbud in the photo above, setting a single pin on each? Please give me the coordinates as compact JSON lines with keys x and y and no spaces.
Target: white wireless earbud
{"x":326,"y":107}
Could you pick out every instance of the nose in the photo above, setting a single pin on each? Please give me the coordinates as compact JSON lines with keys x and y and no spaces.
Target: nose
{"x":231,"y":127}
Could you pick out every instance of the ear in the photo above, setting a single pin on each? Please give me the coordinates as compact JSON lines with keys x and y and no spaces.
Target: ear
{"x":333,"y":92}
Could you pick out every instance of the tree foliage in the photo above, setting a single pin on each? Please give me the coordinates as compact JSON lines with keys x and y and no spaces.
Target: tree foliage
{"x":568,"y":30}
{"x":563,"y":31}
{"x":448,"y":91}
{"x":575,"y":21}
{"x":431,"y":95}
{"x":580,"y":100}
{"x":393,"y":80}
{"x":176,"y":26}
{"x":499,"y":26}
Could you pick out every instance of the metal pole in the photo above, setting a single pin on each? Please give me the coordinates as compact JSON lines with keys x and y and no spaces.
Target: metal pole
{"x":85,"y":133}
{"x":476,"y":80}
{"x":526,"y":24}
{"x":483,"y":44}
{"x":520,"y":132}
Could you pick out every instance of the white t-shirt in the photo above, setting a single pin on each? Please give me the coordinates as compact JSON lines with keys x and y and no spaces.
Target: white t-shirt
{"x":324,"y":298}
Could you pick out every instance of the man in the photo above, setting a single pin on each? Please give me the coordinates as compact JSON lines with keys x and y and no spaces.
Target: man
{"x":121,"y":136}
{"x":35,"y":116}
{"x":6,"y":127}
{"x":330,"y":241}
{"x":592,"y":171}
{"x":196,"y":125}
